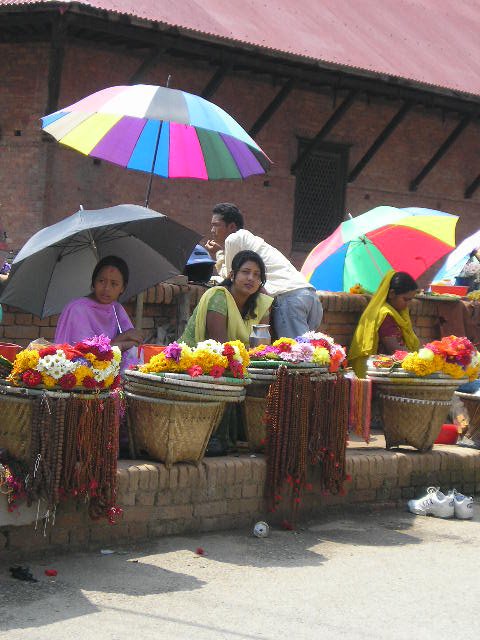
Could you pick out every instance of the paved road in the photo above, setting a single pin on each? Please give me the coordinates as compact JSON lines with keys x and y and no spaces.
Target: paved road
{"x":383,"y":575}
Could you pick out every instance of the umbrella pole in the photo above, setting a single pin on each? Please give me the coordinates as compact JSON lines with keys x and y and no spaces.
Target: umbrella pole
{"x":150,"y":177}
{"x":364,"y":240}
{"x":139,"y":310}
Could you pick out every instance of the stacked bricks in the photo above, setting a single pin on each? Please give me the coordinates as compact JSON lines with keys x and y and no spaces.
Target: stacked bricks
{"x":341,"y":314}
{"x":228,"y":492}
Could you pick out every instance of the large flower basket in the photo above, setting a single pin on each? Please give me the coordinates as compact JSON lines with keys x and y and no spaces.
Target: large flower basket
{"x":15,"y":423}
{"x":472,"y":405}
{"x":172,"y":431}
{"x":414,"y":408}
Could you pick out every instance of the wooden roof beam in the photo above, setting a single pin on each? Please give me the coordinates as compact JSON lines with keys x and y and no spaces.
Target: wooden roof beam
{"x":274,"y":105}
{"x":472,"y":187}
{"x":55,"y":65}
{"x":149,"y":62}
{"x":325,"y":130}
{"x":216,"y":80}
{"x":438,"y":155}
{"x":382,"y":138}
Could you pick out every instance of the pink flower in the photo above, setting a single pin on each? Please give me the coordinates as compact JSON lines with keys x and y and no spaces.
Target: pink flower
{"x":101,"y":342}
{"x":173,"y":351}
{"x":236,"y":368}
{"x":195,"y":370}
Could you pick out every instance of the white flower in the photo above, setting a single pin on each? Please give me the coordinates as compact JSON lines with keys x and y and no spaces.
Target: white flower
{"x":211,"y":345}
{"x":316,"y":335}
{"x":117,"y":354}
{"x":426,"y":354}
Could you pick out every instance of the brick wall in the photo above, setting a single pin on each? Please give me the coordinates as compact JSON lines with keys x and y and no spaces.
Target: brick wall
{"x":228,"y":492}
{"x":43,"y":182}
{"x":162,"y":309}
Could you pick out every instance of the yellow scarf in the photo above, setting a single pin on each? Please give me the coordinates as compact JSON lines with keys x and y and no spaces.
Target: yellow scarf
{"x":365,"y":338}
{"x":238,"y":328}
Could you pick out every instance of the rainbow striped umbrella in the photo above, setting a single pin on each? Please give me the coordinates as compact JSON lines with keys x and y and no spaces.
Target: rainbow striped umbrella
{"x":362,"y":249}
{"x":166,"y":132}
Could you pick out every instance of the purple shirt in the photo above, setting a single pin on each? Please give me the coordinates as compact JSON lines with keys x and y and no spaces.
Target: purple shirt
{"x":85,"y":317}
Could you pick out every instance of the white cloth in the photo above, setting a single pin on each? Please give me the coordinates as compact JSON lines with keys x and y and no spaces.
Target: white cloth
{"x":282,"y":276}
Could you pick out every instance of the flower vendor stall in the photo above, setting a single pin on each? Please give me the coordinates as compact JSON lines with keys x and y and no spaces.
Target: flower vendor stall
{"x":60,"y":422}
{"x":313,"y":354}
{"x":416,"y":389}
{"x":177,"y":399}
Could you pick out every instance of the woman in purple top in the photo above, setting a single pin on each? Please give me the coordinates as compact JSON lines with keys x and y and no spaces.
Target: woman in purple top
{"x":101,"y":312}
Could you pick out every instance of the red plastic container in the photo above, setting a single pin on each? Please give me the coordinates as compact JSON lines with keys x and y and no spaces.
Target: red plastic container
{"x":447,"y":435}
{"x":150,"y":350}
{"x":446,"y":288}
{"x":9,"y":350}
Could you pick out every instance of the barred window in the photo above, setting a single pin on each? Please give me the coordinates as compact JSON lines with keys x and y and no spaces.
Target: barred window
{"x":319,"y":194}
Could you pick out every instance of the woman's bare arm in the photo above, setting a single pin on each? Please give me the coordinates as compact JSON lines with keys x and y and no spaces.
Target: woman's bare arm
{"x":216,"y":326}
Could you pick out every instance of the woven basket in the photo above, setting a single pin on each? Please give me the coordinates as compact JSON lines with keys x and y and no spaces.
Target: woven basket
{"x":255,"y":406}
{"x":15,"y":426}
{"x":472,"y":405}
{"x":172,"y":431}
{"x":413,"y":411}
{"x":169,"y":392}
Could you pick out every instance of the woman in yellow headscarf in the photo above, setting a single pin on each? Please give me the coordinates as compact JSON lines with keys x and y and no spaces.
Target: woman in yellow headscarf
{"x":228,"y":312}
{"x":385,"y":325}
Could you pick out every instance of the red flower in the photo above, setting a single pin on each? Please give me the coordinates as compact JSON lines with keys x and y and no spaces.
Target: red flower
{"x":284,"y":347}
{"x":236,"y":368}
{"x":195,"y":370}
{"x":32,"y":378}
{"x":217,"y":371}
{"x":200,"y":551}
{"x":48,"y":351}
{"x":321,"y":343}
{"x":399,"y":356}
{"x":104,"y":355}
{"x":116,"y":381}
{"x":68,"y":381}
{"x":51,"y":573}
{"x":89,"y":383}
{"x":228,"y":351}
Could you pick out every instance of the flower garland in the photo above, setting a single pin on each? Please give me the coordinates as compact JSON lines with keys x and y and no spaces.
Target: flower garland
{"x":90,"y":364}
{"x":452,"y":356}
{"x":209,"y":357}
{"x":12,"y":484}
{"x":312,"y":346}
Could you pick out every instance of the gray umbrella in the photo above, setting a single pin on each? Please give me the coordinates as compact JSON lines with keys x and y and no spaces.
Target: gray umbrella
{"x":56,"y":264}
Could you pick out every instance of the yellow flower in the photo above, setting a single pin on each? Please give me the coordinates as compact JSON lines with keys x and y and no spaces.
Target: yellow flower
{"x":48,"y":381}
{"x":109,"y":381}
{"x":320,"y":356}
{"x":418,"y":366}
{"x":90,"y":357}
{"x":454,"y":370}
{"x":280,"y":341}
{"x":80,"y":373}
{"x":117,"y":354}
{"x":101,"y":364}
{"x":472,"y":373}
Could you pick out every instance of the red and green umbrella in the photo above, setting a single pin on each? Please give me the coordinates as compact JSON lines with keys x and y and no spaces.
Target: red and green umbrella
{"x":361,"y":250}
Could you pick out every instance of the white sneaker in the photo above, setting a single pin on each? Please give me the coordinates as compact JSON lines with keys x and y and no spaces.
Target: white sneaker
{"x":435,"y":503}
{"x":463,"y":505}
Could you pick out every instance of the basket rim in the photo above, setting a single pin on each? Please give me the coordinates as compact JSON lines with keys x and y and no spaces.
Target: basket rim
{"x":178,"y":378}
{"x":7,"y":390}
{"x":135,"y":396}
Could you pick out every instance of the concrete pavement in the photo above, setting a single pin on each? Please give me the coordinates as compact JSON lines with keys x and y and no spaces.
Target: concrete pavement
{"x":384,"y":574}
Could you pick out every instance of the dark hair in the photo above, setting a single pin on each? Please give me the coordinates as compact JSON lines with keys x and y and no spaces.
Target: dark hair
{"x":238,"y":261}
{"x":402,"y":282}
{"x":229,"y":213}
{"x":111,"y":261}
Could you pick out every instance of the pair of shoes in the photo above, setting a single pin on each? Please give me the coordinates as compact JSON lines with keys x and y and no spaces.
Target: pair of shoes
{"x":437,"y":504}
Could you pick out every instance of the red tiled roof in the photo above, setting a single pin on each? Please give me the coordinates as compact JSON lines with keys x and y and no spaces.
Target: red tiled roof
{"x":431,"y":42}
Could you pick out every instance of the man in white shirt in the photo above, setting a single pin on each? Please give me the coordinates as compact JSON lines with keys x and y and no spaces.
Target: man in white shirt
{"x":297,"y":308}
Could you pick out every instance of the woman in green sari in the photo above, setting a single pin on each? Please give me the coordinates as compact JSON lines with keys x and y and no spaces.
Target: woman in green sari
{"x":229,"y":311}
